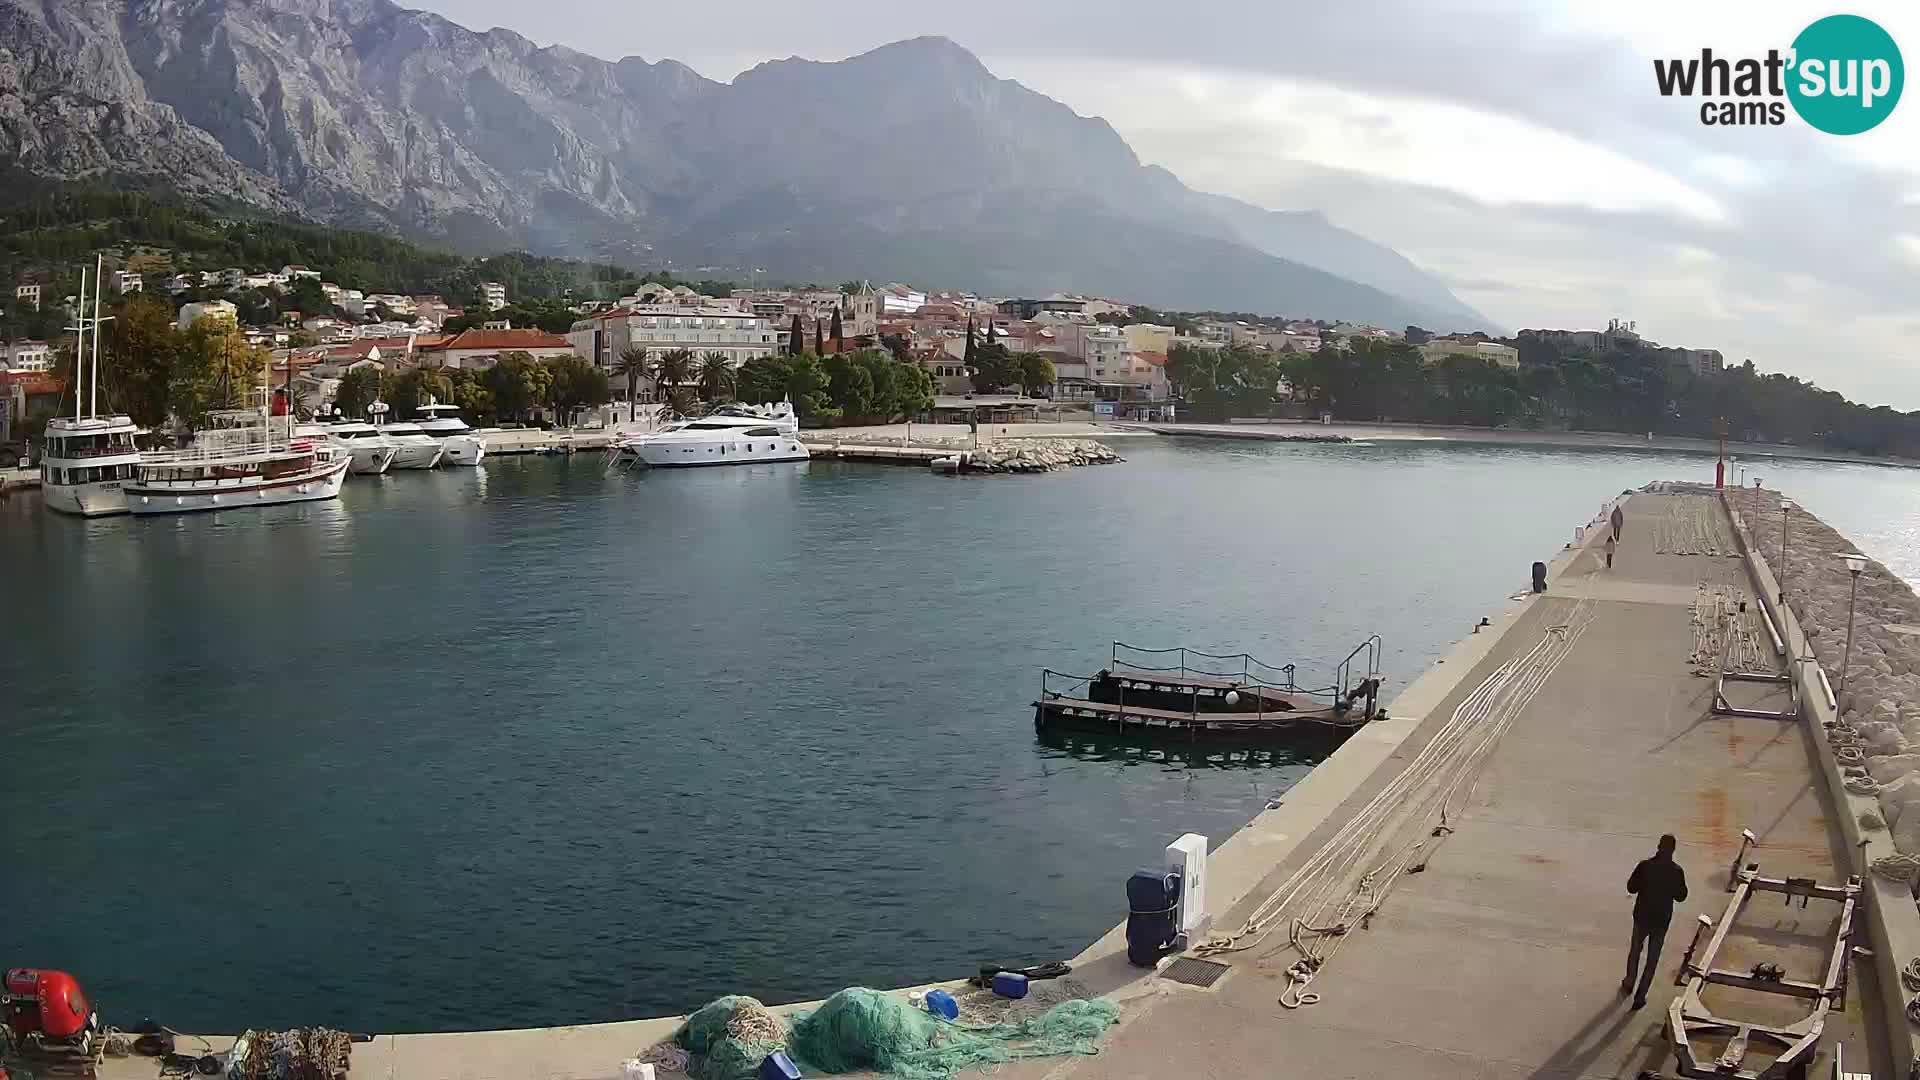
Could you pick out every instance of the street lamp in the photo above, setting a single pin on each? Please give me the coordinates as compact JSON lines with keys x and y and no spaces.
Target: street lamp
{"x":1786,"y":507}
{"x":1756,"y":505}
{"x":1855,"y":563}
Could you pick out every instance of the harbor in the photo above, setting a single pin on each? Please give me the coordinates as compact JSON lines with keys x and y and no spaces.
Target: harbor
{"x":1598,"y":735}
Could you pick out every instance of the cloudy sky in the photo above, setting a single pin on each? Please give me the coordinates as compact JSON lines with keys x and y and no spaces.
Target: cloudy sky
{"x":1518,"y":150}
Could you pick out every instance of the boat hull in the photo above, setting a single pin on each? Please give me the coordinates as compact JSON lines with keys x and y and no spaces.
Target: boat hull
{"x":738,"y":452}
{"x":308,"y":487}
{"x":463,"y":450}
{"x":371,"y":460}
{"x":411,"y":456}
{"x":100,"y":499}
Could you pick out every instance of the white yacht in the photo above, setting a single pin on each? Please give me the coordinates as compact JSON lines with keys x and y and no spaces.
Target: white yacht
{"x":239,"y":462}
{"x":372,"y":454}
{"x":731,"y":435}
{"x":412,"y":447}
{"x":443,"y":422}
{"x":86,"y":462}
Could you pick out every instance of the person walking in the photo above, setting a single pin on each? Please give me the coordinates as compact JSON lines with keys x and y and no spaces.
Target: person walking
{"x":1618,"y":518}
{"x":1610,"y":545}
{"x":1657,"y":884}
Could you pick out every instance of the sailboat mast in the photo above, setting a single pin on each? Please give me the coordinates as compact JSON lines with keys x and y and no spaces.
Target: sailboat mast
{"x":93,"y":381}
{"x":80,"y":345}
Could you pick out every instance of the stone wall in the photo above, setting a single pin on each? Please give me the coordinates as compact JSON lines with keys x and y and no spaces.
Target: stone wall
{"x":1881,"y":699}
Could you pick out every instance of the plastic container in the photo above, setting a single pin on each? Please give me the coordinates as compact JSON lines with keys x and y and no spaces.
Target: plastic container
{"x":941,"y":1004}
{"x":778,"y":1066}
{"x":635,"y":1069}
{"x":1009,"y":984}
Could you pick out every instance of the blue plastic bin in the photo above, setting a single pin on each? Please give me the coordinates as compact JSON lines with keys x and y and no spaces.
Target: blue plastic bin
{"x":1010,"y":984}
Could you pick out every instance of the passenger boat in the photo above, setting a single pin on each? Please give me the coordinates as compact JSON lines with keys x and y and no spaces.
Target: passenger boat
{"x":461,"y":445}
{"x":86,"y":463}
{"x":239,"y":462}
{"x":372,"y":453}
{"x":730,"y":435}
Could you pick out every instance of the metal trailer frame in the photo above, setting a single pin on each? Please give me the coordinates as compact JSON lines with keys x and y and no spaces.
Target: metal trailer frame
{"x":1689,"y":1018}
{"x":1723,"y":707}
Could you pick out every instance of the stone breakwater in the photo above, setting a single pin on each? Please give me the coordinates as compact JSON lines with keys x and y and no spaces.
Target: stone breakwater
{"x":1038,"y":455}
{"x":1881,"y":699}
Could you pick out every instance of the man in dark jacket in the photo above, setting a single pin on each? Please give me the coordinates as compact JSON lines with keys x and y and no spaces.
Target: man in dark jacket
{"x":1657,"y":884}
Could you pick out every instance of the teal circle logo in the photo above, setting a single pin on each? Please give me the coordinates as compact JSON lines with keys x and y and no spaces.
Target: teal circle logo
{"x":1846,"y":75}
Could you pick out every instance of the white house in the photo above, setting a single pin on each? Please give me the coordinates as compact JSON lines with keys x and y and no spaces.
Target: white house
{"x":126,"y":281}
{"x":483,"y":348}
{"x":495,"y":295}
{"x":182,"y":282}
{"x":291,"y":272}
{"x":21,"y":356}
{"x":1439,"y":348}
{"x":210,"y":309}
{"x":28,"y":293}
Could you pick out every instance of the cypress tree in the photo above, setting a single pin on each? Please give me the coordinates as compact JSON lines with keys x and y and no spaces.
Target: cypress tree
{"x":968,"y":357}
{"x":796,"y":344}
{"x":819,"y":347}
{"x":838,"y":334}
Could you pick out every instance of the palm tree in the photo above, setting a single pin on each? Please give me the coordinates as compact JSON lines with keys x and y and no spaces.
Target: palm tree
{"x":674,"y":368}
{"x":635,"y":363}
{"x":716,"y":377}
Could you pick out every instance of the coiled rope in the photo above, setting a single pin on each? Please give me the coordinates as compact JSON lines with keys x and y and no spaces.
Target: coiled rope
{"x":1898,"y":866}
{"x":1341,"y":886}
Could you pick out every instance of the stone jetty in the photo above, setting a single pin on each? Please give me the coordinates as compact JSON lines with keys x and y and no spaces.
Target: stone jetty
{"x":1038,"y":455}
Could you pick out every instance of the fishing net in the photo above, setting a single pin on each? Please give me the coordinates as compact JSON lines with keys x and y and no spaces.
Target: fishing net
{"x":729,"y":1037}
{"x":864,"y":1030}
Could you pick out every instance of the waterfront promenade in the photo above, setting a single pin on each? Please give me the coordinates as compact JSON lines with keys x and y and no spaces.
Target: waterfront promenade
{"x":1502,"y":959}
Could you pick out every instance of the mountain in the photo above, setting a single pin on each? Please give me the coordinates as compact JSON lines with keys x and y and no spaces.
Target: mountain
{"x":911,"y":161}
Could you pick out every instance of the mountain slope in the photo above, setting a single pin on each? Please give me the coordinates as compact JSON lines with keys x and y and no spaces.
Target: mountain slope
{"x":363,"y":113}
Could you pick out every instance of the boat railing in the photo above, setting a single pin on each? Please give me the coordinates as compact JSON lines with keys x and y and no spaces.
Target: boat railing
{"x":67,"y":453}
{"x":1188,"y":661}
{"x":1061,"y":684}
{"x":1366,"y":682}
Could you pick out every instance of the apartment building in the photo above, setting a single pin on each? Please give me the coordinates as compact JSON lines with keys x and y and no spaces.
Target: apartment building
{"x":738,"y":335}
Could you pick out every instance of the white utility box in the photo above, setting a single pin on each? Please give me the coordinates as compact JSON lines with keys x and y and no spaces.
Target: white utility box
{"x":1187,"y":857}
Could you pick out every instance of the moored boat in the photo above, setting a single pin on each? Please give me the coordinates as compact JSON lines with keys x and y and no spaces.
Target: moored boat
{"x":237,"y":463}
{"x":731,"y":435}
{"x":461,"y":445}
{"x":86,"y":463}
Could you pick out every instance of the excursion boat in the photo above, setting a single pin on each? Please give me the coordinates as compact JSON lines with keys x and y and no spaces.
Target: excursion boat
{"x":442,"y":422}
{"x":237,"y":463}
{"x":86,"y":463}
{"x":730,"y":435}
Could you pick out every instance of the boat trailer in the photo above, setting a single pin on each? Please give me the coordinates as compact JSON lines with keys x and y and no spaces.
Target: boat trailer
{"x":1689,"y":1018}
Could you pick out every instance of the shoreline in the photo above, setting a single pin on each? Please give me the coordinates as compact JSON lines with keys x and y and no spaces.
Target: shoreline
{"x":1282,"y":430}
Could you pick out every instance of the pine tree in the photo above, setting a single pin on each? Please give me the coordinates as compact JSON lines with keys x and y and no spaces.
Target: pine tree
{"x":796,"y":344}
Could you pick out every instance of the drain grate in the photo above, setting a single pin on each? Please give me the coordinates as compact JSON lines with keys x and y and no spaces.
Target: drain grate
{"x":1201,"y":973}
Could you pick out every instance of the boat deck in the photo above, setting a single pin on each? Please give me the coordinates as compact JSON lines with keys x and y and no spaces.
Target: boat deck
{"x":1209,"y":690}
{"x":1105,"y":716}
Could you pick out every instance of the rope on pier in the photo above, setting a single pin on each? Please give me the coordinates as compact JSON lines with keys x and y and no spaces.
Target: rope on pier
{"x":1690,"y":525}
{"x":1340,"y":888}
{"x":1713,"y":610}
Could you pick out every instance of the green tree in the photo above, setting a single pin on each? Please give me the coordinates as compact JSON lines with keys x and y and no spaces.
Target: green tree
{"x":517,"y":383}
{"x":214,"y":369}
{"x":673,"y":370}
{"x":795,"y":343}
{"x":849,"y":387}
{"x":1033,"y":371}
{"x":807,"y":388}
{"x":142,"y":351}
{"x":716,"y":377}
{"x":576,"y":385}
{"x":912,"y":390}
{"x":762,"y":379}
{"x":469,"y":390}
{"x":992,"y":368}
{"x":358,"y":389}
{"x":634,"y":364}
{"x":410,"y":389}
{"x":839,"y":332}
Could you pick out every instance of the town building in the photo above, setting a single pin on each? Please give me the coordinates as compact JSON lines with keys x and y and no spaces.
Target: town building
{"x":27,"y":293}
{"x":1438,"y":349}
{"x":860,"y":312}
{"x":1147,"y":337}
{"x":26,"y":356}
{"x":353,"y":302}
{"x":1058,"y":303}
{"x":295,"y":272}
{"x":738,"y":335}
{"x":495,"y":294}
{"x":208,"y":309}
{"x":126,"y":281}
{"x":481,"y":349}
{"x":180,"y":283}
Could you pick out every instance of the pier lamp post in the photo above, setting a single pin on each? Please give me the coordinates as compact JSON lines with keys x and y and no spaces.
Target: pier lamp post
{"x":1855,"y":564}
{"x":1786,"y":507}
{"x":1756,"y":505}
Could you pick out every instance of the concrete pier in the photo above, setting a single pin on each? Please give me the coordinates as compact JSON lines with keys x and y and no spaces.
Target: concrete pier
{"x":1502,"y":959}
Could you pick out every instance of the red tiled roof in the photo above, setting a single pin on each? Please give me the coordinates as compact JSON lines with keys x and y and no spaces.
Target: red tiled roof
{"x":1157,"y":359}
{"x":502,"y":339}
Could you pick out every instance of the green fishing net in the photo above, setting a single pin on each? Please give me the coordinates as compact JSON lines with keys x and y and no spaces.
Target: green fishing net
{"x":864,"y":1030}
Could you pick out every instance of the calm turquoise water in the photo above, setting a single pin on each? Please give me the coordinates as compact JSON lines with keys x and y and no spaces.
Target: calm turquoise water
{"x":530,"y":744}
